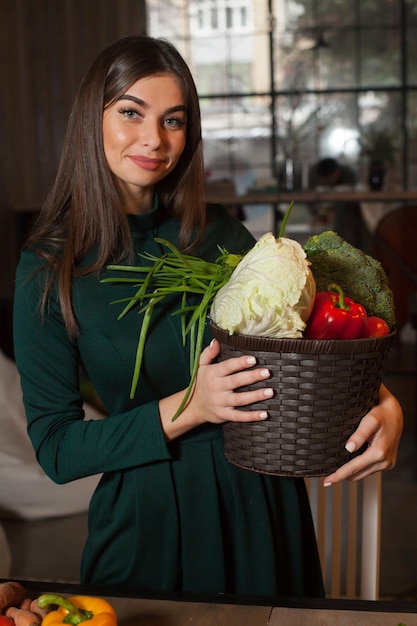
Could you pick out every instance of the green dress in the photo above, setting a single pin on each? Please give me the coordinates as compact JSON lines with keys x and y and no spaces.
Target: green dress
{"x":165,"y":516}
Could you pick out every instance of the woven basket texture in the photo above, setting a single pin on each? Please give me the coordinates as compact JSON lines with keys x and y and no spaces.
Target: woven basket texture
{"x":322,"y":391}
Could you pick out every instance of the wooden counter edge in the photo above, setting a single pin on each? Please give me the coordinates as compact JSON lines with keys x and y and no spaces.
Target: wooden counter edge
{"x":284,"y":197}
{"x":383,"y":606}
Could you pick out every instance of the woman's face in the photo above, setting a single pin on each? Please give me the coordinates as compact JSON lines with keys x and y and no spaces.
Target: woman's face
{"x":144,"y":135}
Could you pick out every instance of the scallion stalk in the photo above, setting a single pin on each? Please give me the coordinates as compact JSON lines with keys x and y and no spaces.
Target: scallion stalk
{"x":177,"y":273}
{"x":174,"y":273}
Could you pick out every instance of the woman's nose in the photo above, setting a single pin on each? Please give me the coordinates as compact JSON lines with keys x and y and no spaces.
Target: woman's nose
{"x":150,"y":134}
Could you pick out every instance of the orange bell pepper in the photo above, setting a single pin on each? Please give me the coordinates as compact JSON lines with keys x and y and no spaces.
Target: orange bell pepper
{"x":76,"y":610}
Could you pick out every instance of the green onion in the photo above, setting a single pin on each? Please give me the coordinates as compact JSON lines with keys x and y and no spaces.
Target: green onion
{"x":177,"y":273}
{"x":174,"y":273}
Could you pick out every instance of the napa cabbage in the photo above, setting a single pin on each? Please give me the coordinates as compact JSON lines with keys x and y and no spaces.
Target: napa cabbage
{"x":270,"y":292}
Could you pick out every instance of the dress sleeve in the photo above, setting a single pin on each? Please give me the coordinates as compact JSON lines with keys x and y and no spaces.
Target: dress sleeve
{"x":66,"y":445}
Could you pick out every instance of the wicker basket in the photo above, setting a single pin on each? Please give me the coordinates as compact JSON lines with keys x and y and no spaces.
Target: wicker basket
{"x":322,"y":390}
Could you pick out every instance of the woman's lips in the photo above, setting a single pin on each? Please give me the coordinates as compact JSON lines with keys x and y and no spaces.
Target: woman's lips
{"x":146,"y":163}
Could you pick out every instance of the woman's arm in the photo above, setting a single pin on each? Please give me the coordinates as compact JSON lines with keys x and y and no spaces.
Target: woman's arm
{"x":135,"y":433}
{"x":66,"y":446}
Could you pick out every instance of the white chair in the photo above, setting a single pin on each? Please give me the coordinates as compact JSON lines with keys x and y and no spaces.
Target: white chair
{"x":347,"y":519}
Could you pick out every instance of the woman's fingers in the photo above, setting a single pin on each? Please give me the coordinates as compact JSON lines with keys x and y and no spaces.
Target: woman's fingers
{"x":381,"y":429}
{"x":230,"y":396}
{"x":356,"y":469}
{"x":210,"y":353}
{"x":229,"y":366}
{"x":234,"y":372}
{"x":219,"y":386}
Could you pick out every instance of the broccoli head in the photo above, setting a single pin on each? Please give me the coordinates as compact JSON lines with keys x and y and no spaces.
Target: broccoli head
{"x":362,"y":278}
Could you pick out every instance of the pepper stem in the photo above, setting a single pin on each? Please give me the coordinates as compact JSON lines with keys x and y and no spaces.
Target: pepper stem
{"x":341,"y":304}
{"x":74,"y":616}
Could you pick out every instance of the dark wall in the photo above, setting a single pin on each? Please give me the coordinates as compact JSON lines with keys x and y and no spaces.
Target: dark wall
{"x":45,"y":49}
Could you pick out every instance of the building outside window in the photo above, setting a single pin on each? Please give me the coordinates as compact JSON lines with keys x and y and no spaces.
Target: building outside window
{"x":297,"y":80}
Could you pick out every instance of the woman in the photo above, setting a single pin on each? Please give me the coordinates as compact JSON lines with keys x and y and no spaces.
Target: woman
{"x":170,"y":513}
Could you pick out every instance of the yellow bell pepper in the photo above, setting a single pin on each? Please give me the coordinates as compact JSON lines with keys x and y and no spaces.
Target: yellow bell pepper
{"x":76,"y":610}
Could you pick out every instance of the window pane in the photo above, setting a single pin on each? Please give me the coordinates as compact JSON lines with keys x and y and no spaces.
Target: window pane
{"x":312,"y":127}
{"x":237,"y":155}
{"x":383,"y":111}
{"x":243,"y":14}
{"x":411,"y":11}
{"x":229,"y":17}
{"x":325,"y":63}
{"x":296,"y":144}
{"x":336,"y":12}
{"x":412,"y":138}
{"x":295,"y":66}
{"x":380,"y":12}
{"x":412,"y":56}
{"x":222,"y":65}
{"x":236,"y":138}
{"x":381,"y":57}
{"x":338,"y":62}
{"x":307,"y":14}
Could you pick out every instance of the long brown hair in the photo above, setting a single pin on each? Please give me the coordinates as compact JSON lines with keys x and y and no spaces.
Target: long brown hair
{"x":83,"y":210}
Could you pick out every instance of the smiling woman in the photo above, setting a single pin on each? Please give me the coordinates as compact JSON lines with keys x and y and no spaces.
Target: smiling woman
{"x":170,"y":512}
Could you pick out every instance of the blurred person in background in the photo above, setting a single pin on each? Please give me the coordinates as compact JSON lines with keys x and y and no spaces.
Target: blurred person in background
{"x":343,"y":217}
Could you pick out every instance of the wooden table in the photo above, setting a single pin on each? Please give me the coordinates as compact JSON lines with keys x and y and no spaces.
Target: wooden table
{"x":134,"y":612}
{"x":165,"y":609}
{"x":333,"y":617}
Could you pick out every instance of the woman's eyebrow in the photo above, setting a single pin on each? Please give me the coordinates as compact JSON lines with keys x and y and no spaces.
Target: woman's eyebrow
{"x":138,"y":101}
{"x":145,"y":105}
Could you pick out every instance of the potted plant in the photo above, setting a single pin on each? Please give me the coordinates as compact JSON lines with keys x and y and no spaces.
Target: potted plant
{"x":379,"y":146}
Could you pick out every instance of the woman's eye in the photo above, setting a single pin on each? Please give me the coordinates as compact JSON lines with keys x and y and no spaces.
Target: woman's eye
{"x":175,"y":122}
{"x":129,"y":113}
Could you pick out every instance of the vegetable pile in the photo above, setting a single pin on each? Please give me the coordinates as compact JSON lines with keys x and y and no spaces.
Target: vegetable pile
{"x":327,"y":289}
{"x":334,"y":316}
{"x":362,"y":278}
{"x":16,"y":609}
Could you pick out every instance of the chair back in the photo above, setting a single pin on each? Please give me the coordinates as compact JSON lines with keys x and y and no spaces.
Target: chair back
{"x":347,"y":520}
{"x":395,"y":247}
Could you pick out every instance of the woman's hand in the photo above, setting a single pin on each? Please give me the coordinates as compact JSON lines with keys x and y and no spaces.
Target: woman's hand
{"x":214,"y":398}
{"x":381,"y":428}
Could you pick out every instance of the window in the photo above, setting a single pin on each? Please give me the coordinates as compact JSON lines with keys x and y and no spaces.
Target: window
{"x":229,"y":17}
{"x":214,"y":22}
{"x":306,"y":81}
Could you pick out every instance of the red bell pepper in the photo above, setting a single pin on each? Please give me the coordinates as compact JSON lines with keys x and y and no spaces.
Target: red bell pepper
{"x":375,"y":327}
{"x":335,"y":316}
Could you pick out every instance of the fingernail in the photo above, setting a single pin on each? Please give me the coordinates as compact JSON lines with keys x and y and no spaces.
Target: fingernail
{"x":265,"y":373}
{"x":263,"y":415}
{"x":350,"y":447}
{"x":251,"y":360}
{"x":268,"y":392}
{"x":327,"y":484}
{"x":212,"y":343}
